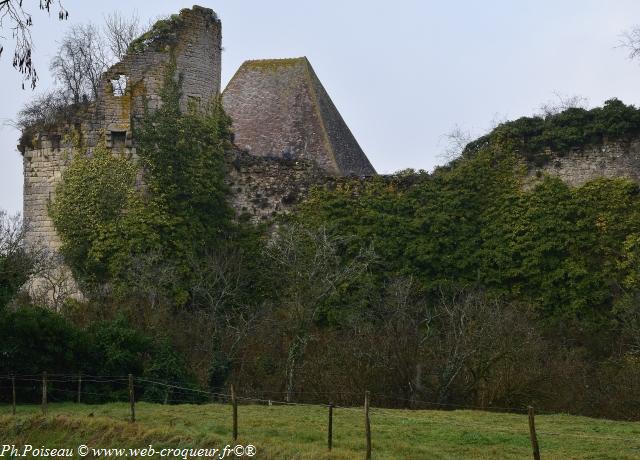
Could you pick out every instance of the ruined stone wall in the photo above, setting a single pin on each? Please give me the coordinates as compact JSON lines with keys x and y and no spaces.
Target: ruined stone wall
{"x":192,"y":39}
{"x":262,"y":187}
{"x":42,"y":171}
{"x":611,"y":159}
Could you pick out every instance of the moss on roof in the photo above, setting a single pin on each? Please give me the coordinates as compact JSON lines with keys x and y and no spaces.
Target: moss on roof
{"x":273,"y":64}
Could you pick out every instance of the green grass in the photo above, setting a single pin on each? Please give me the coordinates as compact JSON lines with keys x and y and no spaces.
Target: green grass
{"x":299,"y":432}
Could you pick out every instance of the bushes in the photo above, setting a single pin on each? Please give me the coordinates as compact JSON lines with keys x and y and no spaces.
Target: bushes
{"x":36,"y":340}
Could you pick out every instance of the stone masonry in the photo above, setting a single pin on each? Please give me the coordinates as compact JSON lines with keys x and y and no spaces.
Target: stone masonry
{"x":280,"y":109}
{"x":289,"y":133}
{"x":192,"y":39}
{"x":263,"y":187}
{"x":609,"y":159}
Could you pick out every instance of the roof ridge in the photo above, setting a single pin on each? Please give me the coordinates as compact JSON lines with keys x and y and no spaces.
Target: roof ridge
{"x":311,"y":81}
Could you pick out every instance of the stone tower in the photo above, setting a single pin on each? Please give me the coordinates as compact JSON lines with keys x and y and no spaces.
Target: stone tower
{"x":191,"y":39}
{"x":280,"y":109}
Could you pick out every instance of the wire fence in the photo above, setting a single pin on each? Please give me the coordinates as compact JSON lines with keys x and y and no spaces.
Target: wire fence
{"x":98,"y":389}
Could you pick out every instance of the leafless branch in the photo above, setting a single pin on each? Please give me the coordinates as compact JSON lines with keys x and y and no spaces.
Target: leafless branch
{"x":15,"y":18}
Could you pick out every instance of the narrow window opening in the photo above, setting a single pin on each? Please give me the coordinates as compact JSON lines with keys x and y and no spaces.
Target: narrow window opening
{"x":55,"y":141}
{"x":119,"y":85}
{"x":118,"y":141}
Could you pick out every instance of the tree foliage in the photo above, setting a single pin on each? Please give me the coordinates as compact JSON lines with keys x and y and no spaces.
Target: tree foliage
{"x":17,"y":261}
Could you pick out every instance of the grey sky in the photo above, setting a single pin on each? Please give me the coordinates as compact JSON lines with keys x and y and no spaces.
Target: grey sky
{"x":402,"y":73}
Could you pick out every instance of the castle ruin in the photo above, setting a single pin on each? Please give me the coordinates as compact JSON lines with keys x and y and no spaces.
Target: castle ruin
{"x":288,"y":132}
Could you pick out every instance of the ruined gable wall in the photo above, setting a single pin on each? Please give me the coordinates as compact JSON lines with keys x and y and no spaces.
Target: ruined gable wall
{"x":193,"y":39}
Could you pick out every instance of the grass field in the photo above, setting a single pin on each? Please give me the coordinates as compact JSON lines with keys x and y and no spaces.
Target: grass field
{"x":299,"y":432}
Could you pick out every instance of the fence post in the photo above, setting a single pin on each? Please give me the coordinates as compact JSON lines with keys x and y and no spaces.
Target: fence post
{"x":44,"y":393}
{"x":234,"y":403}
{"x":13,"y":391}
{"x":132,"y":401}
{"x":79,"y":387}
{"x":367,"y":424}
{"x":330,"y":433}
{"x":532,"y":434}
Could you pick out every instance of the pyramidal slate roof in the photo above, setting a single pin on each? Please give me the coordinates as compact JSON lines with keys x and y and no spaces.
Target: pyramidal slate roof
{"x":280,"y":109}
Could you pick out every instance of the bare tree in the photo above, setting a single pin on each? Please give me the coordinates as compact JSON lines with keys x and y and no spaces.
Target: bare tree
{"x":43,"y":110}
{"x":52,"y":282}
{"x":30,"y":267}
{"x":630,"y":40}
{"x":456,"y":140}
{"x":119,"y":31}
{"x":80,"y":62}
{"x":310,"y":262}
{"x":472,"y":333}
{"x":403,"y":334}
{"x":220,"y":312}
{"x":561,"y":103}
{"x":15,"y":18}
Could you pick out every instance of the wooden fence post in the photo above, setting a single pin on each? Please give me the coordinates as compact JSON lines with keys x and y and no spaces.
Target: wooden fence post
{"x":532,"y":434}
{"x":79,"y":388}
{"x":132,"y":400}
{"x":13,"y":392}
{"x":234,"y":403}
{"x":367,"y":424}
{"x":44,"y":393}
{"x":330,"y":433}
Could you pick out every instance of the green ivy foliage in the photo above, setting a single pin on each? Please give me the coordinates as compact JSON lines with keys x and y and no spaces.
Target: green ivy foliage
{"x":572,"y":128}
{"x":88,"y":210}
{"x":182,"y":156}
{"x":567,"y":251}
{"x":106,"y":218}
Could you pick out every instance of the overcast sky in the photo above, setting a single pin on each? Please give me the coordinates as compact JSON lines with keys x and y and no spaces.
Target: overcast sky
{"x":402,"y":73}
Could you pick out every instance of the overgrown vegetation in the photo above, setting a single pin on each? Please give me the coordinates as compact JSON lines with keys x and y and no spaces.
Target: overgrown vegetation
{"x":460,"y":287}
{"x":161,"y":31}
{"x":561,"y":132}
{"x":88,"y":212}
{"x":17,"y":263}
{"x":37,"y":338}
{"x":107,"y":222}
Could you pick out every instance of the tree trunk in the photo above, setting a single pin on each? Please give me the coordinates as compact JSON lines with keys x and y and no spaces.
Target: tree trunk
{"x":296,"y":353}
